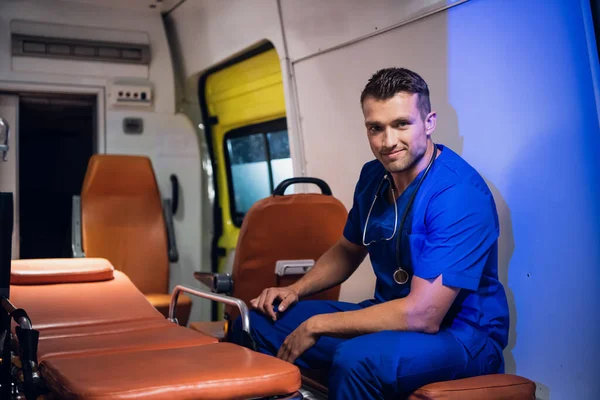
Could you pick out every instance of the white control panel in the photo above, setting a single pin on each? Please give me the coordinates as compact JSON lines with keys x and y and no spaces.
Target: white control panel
{"x":124,"y":94}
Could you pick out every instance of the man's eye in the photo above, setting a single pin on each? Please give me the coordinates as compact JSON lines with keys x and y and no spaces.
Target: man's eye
{"x":375,"y":129}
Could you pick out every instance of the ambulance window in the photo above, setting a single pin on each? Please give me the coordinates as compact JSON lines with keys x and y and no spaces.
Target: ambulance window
{"x":258,"y":159}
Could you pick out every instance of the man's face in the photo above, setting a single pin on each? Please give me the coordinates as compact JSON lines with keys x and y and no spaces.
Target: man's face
{"x":397,"y":133}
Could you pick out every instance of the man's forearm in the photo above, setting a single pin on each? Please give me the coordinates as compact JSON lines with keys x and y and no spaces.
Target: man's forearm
{"x":423,"y":310}
{"x":334,"y":267}
{"x":395,"y":315}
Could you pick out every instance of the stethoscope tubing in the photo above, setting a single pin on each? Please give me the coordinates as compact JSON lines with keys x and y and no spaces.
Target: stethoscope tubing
{"x":400,"y":275}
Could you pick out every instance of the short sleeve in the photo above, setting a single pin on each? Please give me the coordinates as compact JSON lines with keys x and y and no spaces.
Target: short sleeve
{"x":462,"y":225}
{"x":352,"y":231}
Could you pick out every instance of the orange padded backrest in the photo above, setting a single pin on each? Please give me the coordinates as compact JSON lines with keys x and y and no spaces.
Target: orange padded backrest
{"x":291,"y":227}
{"x":122,"y":219}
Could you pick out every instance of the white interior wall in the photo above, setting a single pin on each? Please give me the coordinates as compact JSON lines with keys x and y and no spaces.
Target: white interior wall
{"x":168,"y":138}
{"x":314,"y":26}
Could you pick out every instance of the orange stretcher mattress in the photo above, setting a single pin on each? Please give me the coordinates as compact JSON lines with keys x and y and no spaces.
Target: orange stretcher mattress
{"x":101,"y":339}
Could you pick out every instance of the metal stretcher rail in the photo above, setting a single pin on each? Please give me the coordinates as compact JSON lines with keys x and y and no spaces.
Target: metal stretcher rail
{"x":221,"y":298}
{"x":246,"y":337}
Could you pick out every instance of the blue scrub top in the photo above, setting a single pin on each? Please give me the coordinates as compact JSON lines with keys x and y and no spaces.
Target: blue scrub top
{"x":452,"y":229}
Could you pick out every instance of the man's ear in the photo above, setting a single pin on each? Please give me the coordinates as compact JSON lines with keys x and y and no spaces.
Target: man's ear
{"x":430,"y":123}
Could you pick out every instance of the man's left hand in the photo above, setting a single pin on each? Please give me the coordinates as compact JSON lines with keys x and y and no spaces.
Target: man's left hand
{"x":302,"y":339}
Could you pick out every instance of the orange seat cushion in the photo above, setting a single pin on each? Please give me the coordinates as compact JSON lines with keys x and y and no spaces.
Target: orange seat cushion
{"x":214,"y":371}
{"x":489,"y":387}
{"x":122,"y":327}
{"x":69,"y":270}
{"x":166,"y":335}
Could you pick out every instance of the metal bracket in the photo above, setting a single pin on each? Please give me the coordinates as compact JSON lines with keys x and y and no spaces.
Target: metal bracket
{"x":76,"y":246}
{"x":4,"y":131}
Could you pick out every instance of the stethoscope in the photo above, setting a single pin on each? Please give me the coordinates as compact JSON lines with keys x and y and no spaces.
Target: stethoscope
{"x":400,"y":276}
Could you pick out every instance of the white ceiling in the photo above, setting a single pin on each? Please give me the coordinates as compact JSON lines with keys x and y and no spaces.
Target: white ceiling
{"x":159,"y":5}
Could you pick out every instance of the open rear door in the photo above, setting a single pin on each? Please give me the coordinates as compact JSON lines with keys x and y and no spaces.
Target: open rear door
{"x":244,"y":110}
{"x":9,"y":114}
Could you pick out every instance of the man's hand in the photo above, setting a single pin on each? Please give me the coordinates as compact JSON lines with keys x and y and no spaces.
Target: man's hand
{"x":302,"y":339}
{"x":264,"y":302}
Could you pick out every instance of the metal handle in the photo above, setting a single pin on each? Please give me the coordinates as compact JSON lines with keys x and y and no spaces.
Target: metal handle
{"x":170,"y":225}
{"x":4,"y":127}
{"x":18,"y":315}
{"x":221,"y":298}
{"x":174,"y":193}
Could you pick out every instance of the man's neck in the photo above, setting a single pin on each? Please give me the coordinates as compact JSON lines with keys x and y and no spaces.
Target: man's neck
{"x":404,"y":178}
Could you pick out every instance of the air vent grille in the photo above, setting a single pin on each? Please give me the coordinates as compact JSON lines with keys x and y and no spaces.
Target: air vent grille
{"x":41,"y":46}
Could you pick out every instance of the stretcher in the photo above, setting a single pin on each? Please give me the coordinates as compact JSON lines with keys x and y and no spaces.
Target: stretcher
{"x":100,"y":338}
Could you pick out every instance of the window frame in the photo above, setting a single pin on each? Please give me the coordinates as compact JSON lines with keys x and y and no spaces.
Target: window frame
{"x":261,"y":128}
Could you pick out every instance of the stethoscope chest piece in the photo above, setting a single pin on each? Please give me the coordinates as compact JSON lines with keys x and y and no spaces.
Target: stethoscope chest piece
{"x":400,"y":276}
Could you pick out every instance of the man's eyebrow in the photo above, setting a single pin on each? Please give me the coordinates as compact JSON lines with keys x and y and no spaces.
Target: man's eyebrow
{"x":406,"y":120}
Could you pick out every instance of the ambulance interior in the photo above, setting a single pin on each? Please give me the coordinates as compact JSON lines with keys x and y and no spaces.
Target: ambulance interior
{"x":141,"y":140}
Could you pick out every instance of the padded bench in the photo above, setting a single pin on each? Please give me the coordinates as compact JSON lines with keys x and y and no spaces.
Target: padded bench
{"x":488,"y":387}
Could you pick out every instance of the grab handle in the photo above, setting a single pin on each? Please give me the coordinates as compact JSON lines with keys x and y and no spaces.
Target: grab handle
{"x":174,"y":193}
{"x":280,"y":189}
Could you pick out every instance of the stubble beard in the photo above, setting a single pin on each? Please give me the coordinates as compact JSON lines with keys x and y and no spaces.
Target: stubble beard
{"x":406,"y":163}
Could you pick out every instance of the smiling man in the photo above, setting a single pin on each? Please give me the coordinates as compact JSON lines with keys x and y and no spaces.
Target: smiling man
{"x":429,"y":224}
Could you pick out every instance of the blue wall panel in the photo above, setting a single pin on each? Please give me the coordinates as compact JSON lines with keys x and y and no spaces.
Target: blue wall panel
{"x":520,"y":81}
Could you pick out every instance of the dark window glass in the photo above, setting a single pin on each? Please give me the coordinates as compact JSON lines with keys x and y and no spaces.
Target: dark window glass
{"x":258,"y":159}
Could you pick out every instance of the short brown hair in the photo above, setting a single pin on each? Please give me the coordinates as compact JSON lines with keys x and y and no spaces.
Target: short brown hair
{"x":386,"y":83}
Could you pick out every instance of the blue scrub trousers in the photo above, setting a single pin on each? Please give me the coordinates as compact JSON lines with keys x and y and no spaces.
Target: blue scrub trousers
{"x":383,"y":365}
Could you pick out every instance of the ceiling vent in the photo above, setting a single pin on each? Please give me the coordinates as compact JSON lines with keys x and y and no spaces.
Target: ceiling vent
{"x":84,"y":50}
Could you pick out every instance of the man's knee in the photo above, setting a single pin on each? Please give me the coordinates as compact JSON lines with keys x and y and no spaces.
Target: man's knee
{"x":357,"y":360}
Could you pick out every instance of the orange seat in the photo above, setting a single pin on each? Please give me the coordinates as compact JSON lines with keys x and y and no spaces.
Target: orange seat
{"x":291,"y":227}
{"x":488,"y":387}
{"x":122,"y":220}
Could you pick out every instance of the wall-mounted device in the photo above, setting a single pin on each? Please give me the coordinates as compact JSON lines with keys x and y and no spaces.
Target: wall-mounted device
{"x":133,"y":126}
{"x":130,"y":93}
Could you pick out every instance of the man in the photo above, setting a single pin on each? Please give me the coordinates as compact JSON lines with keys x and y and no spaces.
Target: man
{"x":439,"y":311}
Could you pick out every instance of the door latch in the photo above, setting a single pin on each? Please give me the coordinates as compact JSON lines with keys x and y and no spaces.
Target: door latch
{"x":4,"y":135}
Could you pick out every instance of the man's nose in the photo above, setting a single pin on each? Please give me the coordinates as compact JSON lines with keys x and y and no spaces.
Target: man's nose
{"x":389,"y":138}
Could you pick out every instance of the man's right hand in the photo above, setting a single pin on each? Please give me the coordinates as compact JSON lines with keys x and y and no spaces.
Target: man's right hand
{"x":264,"y":302}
